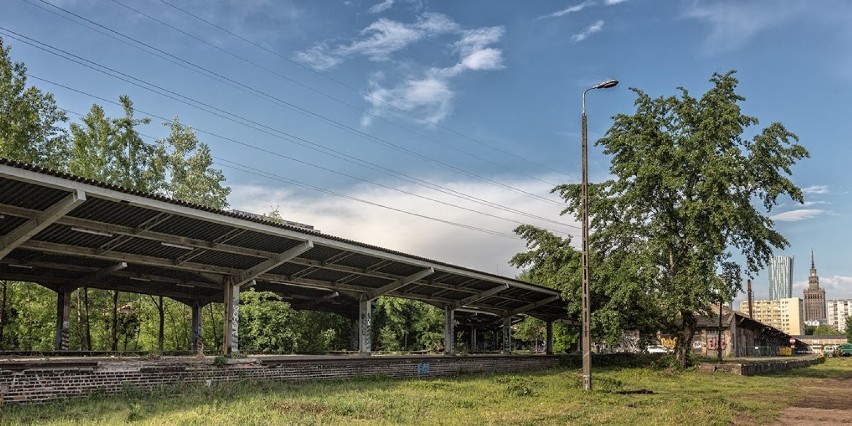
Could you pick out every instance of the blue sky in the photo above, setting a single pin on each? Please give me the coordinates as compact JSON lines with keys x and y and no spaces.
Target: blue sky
{"x":393,"y":122}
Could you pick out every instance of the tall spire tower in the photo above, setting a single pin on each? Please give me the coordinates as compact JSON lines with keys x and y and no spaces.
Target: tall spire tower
{"x":814,"y":296}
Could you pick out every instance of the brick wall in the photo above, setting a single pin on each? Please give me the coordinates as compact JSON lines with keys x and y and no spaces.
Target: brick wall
{"x":47,"y":380}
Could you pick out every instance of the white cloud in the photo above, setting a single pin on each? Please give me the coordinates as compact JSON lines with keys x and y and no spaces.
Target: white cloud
{"x":797,"y":215}
{"x":429,"y":98}
{"x":591,"y":29}
{"x":836,"y":286}
{"x":316,"y":58}
{"x":381,"y":7}
{"x":566,"y":11}
{"x":393,"y":230}
{"x":379,"y":40}
{"x":614,"y":2}
{"x":816,"y":189}
{"x":733,"y":24}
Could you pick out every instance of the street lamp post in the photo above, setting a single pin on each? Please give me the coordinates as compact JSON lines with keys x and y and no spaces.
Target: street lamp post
{"x":586,"y":339}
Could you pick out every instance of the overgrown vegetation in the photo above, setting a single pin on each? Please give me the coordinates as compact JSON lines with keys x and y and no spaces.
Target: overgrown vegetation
{"x":623,"y":395}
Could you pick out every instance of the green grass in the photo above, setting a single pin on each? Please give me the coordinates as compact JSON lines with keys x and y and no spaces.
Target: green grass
{"x":547,"y":397}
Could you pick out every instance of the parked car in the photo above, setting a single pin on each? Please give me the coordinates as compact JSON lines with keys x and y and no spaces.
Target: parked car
{"x":657,"y":349}
{"x":846,"y":349}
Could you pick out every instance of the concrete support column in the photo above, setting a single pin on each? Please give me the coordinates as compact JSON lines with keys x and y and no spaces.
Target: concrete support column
{"x":549,"y":341}
{"x":365,"y":327}
{"x":472,"y":339}
{"x":195,"y":343}
{"x":231,"y":330}
{"x":507,"y":335}
{"x":449,"y":331}
{"x":63,"y":313}
{"x":353,"y":334}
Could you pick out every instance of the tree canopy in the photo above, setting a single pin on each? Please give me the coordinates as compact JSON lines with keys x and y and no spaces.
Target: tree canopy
{"x":689,"y":200}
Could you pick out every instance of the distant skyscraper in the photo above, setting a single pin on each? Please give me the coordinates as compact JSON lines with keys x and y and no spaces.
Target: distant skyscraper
{"x":814,"y":297}
{"x":780,"y":277}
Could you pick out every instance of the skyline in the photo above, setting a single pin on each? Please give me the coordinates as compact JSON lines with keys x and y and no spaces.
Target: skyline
{"x":476,"y":98}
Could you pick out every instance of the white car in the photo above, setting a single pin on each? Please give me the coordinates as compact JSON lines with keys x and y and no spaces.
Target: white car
{"x":657,"y":349}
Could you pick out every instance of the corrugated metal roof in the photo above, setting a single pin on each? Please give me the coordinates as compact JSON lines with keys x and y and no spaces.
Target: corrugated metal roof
{"x":181,"y":250}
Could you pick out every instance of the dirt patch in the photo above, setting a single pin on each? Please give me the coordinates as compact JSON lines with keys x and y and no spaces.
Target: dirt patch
{"x":825,"y":402}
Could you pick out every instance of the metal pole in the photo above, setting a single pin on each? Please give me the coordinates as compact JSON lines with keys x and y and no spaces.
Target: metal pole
{"x":586,"y":339}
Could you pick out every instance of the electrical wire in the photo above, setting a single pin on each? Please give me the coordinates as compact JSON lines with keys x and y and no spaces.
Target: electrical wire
{"x":243,"y":121}
{"x":293,"y":107}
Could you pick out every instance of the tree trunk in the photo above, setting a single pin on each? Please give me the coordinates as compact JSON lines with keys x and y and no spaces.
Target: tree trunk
{"x":88,"y":327}
{"x":3,"y":317}
{"x":115,"y":320}
{"x":161,"y":310}
{"x":683,"y":342}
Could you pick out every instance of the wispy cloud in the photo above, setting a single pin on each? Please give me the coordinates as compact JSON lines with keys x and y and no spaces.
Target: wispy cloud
{"x":566,"y":11}
{"x":370,"y":224}
{"x":733,"y":24}
{"x":591,"y":29}
{"x":836,"y":286}
{"x":816,"y":189}
{"x":614,"y":2}
{"x":381,"y":7}
{"x":797,"y":215}
{"x":428,"y":95}
{"x":379,"y":40}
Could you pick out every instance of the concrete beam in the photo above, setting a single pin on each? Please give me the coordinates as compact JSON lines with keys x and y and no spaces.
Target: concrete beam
{"x":39,"y":222}
{"x":271,"y":263}
{"x":481,"y":295}
{"x":399,"y":283}
{"x":316,"y":301}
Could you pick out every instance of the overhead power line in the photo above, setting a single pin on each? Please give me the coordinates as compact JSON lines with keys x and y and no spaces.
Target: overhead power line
{"x":280,"y":102}
{"x":273,"y":176}
{"x":251,"y":124}
{"x":353,"y":88}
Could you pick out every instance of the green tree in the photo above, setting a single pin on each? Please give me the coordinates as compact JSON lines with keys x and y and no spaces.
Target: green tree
{"x":826,"y":330}
{"x":849,"y":328}
{"x":689,"y":192}
{"x":191,"y":177}
{"x":31,"y":124}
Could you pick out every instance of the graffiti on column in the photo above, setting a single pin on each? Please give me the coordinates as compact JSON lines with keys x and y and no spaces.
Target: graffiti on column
{"x":235,"y":318}
{"x":366,"y":328}
{"x":63,"y":336}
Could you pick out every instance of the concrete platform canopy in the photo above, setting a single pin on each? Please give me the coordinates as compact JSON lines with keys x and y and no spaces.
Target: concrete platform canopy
{"x":65,"y":232}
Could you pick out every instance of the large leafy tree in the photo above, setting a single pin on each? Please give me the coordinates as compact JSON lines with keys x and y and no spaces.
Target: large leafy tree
{"x":31,"y":125}
{"x":191,"y":176}
{"x":686,"y":213}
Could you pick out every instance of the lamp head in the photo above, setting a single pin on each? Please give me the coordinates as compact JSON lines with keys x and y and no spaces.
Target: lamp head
{"x":606,"y":84}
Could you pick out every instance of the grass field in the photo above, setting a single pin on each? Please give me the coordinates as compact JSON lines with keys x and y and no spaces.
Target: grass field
{"x":625,"y":396}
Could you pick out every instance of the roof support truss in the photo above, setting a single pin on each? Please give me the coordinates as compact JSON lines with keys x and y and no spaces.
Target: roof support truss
{"x":248,"y":275}
{"x":399,"y":283}
{"x":481,"y":295}
{"x":40,"y":221}
{"x":534,"y":305}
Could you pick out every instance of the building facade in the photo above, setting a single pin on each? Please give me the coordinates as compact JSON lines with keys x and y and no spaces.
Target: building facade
{"x":838,"y":311}
{"x":780,"y":277}
{"x":784,"y":314}
{"x":814,"y":297}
